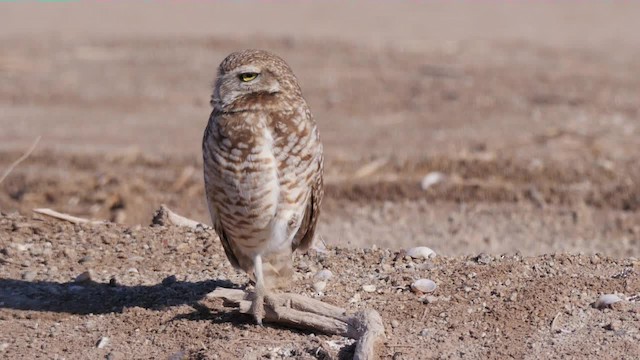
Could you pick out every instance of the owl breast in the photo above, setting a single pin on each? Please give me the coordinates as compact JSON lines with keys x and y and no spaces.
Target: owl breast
{"x":259,"y":171}
{"x":241,"y":176}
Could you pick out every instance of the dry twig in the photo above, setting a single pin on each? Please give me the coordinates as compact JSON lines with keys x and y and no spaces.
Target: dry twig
{"x":164,"y":216}
{"x":20,"y":159}
{"x":305,"y":313}
{"x":66,"y":217}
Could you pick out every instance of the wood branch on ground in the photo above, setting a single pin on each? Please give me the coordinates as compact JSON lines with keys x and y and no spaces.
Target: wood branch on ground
{"x":309,"y":314}
{"x":66,"y":217}
{"x":164,"y":216}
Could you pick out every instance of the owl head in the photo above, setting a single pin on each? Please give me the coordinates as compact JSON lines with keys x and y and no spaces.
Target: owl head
{"x":253,"y":78}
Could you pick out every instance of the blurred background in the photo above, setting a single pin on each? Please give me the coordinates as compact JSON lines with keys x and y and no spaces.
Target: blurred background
{"x":464,"y":126}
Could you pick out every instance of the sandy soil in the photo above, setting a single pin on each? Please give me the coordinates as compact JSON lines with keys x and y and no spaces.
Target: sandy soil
{"x":528,"y":111}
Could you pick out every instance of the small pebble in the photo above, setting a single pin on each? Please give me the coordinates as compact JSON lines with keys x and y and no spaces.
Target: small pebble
{"x":4,"y":346}
{"x":431,"y":179}
{"x":430,"y":299}
{"x":323,"y":275}
{"x":169,"y":280}
{"x":615,"y":325}
{"x":483,"y":259}
{"x":178,"y":356}
{"x":182,"y":247}
{"x":395,"y":323}
{"x":103,"y":342}
{"x":424,"y":332}
{"x":339,"y":344}
{"x":369,"y":288}
{"x":28,"y":275}
{"x":20,"y":247}
{"x":319,"y":286}
{"x":68,"y":252}
{"x":423,"y":286}
{"x":7,"y":251}
{"x":84,"y":277}
{"x":115,"y":355}
{"x":85,"y":259}
{"x":605,"y":301}
{"x":421,"y":252}
{"x":35,"y":251}
{"x":355,"y":298}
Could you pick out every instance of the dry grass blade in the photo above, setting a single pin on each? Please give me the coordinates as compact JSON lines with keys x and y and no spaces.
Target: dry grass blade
{"x":370,"y":168}
{"x":20,"y":159}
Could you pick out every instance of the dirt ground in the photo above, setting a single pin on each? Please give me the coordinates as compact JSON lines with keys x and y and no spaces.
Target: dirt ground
{"x":528,"y":114}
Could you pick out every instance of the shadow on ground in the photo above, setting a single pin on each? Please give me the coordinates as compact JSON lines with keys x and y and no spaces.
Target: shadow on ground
{"x":99,"y":298}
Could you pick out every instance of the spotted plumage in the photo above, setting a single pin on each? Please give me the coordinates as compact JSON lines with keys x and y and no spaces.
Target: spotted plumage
{"x":263,"y":167}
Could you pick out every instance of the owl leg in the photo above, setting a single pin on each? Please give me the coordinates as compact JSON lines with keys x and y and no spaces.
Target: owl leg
{"x":257,"y":305}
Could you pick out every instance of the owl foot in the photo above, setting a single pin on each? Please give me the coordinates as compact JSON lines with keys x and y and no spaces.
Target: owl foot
{"x":257,"y":307}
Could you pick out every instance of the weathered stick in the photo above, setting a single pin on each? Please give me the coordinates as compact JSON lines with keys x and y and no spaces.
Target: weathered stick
{"x":66,"y":217}
{"x":302,"y":312}
{"x":20,"y":159}
{"x":293,"y":301}
{"x":306,"y":304}
{"x":368,"y":324}
{"x":164,"y":216}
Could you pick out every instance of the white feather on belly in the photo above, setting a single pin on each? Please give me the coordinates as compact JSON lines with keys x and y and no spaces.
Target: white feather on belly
{"x":260,"y":190}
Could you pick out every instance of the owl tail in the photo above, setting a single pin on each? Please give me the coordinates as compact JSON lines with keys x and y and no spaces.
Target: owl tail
{"x":278,"y":270}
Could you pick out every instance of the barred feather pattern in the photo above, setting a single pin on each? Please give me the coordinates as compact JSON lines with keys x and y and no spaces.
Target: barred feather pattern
{"x":263,"y":166}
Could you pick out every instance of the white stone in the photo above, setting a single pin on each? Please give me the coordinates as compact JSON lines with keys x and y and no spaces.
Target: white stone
{"x":85,"y":276}
{"x":104,"y":341}
{"x":369,"y":288}
{"x":431,"y":179}
{"x":319,"y":286}
{"x":423,"y":286}
{"x":606,"y":300}
{"x":421,"y":252}
{"x":323,"y":275}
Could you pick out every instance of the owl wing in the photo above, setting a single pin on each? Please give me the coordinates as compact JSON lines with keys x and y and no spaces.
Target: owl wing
{"x":219,"y":229}
{"x":304,"y":236}
{"x":215,"y":218}
{"x":226,"y":244}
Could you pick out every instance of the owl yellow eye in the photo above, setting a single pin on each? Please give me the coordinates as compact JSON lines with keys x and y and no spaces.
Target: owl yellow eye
{"x":246,"y":77}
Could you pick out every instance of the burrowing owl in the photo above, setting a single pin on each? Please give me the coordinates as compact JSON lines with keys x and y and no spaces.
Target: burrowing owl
{"x":263,"y":168}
